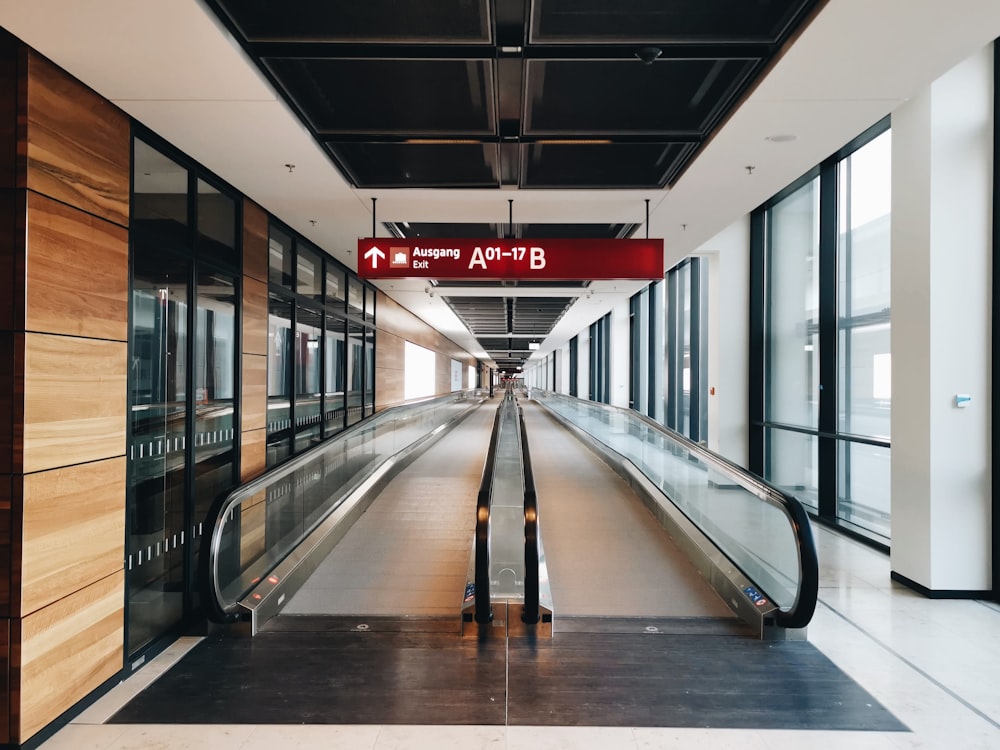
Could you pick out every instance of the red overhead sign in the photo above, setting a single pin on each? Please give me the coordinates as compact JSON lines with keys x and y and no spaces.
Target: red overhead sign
{"x":547,"y":260}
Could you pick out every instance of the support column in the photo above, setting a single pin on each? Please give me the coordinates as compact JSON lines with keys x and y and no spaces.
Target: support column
{"x":942,"y":142}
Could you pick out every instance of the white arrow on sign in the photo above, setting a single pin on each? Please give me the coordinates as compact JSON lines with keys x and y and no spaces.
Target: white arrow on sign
{"x":374,"y":254}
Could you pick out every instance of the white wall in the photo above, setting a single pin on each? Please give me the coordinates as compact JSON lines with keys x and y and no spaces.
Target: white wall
{"x":728,"y":255}
{"x":619,"y":354}
{"x":941,"y":337}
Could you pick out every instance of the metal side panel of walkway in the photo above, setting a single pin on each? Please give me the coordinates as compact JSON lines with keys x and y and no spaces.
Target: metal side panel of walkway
{"x":607,"y":555}
{"x":408,"y":554}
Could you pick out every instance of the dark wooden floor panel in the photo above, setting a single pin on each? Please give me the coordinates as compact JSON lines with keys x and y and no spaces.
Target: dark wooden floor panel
{"x":659,"y":680}
{"x":574,"y":679}
{"x":328,"y":678}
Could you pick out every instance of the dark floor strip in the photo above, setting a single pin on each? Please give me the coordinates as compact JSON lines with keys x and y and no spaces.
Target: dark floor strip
{"x":573,"y":679}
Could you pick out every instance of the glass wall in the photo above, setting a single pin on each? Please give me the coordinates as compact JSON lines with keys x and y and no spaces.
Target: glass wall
{"x":685,"y":351}
{"x":321,"y":346}
{"x":822,"y":309}
{"x":182,"y":382}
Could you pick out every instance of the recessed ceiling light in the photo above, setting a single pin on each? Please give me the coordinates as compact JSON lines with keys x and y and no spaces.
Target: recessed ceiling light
{"x":781,"y":138}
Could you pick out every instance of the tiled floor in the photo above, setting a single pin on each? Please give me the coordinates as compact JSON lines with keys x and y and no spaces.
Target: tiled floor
{"x":934,"y":664}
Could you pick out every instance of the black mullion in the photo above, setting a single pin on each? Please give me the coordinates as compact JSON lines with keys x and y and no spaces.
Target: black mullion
{"x":995,"y":442}
{"x":190,"y":426}
{"x":670,"y":418}
{"x":847,"y":316}
{"x":827,"y":447}
{"x":694,"y":335}
{"x":651,"y":358}
{"x":757,"y":321}
{"x":633,"y":348}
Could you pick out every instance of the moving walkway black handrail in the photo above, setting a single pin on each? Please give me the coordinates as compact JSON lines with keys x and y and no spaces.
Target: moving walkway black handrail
{"x":483,"y":610}
{"x":801,"y":612}
{"x":530,"y":613}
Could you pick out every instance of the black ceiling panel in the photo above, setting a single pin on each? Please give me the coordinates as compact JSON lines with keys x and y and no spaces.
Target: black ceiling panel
{"x":483,"y":316}
{"x":611,"y":97}
{"x":514,"y":75}
{"x":431,"y":21}
{"x":503,"y":230}
{"x":403,"y":98}
{"x":610,"y":165}
{"x":662,"y":21}
{"x":427,"y":165}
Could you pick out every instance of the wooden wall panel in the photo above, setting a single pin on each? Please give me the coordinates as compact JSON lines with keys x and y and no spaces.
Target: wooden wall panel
{"x":253,"y":454}
{"x":253,"y":528}
{"x":5,"y":691}
{"x":78,"y":143}
{"x":255,"y":233}
{"x":77,"y":272}
{"x":73,"y":530}
{"x":254,"y":402}
{"x":68,"y":650}
{"x":254,"y":316}
{"x":72,"y":414}
{"x":6,"y":545}
{"x":8,"y":361}
{"x":395,"y":325}
{"x":389,"y":359}
{"x":11,"y":260}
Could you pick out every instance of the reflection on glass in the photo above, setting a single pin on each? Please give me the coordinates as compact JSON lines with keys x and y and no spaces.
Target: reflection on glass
{"x":753,"y":532}
{"x":308,"y":272}
{"x":160,"y":204}
{"x":308,"y":363}
{"x":214,"y":382}
{"x":336,"y":287}
{"x":335,"y":359}
{"x":156,"y":512}
{"x":355,"y":372}
{"x":865,"y":391}
{"x":355,"y":297}
{"x":279,"y":258}
{"x":280,"y":353}
{"x":369,"y":305}
{"x":793,"y":464}
{"x":865,"y":486}
{"x":216,"y":223}
{"x":793,"y":306}
{"x":269,"y":521}
{"x":369,"y":373}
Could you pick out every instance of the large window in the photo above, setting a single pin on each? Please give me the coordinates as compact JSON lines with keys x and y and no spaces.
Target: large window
{"x":685,"y":361}
{"x":821,"y":308}
{"x":321,"y":346}
{"x":182,"y":381}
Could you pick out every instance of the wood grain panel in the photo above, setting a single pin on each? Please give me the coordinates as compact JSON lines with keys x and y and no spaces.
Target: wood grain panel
{"x":253,"y":454}
{"x":73,"y":530}
{"x":67,"y":650}
{"x":8,"y":363}
{"x":254,"y":316}
{"x":78,"y":143}
{"x":77,"y":272}
{"x":5,"y":696}
{"x":253,"y":528}
{"x":389,"y":389}
{"x":395,"y":319}
{"x":254,"y":402}
{"x":72,"y":413}
{"x":390,"y":357}
{"x":6,"y":545}
{"x":391,"y":351}
{"x":255,"y":234}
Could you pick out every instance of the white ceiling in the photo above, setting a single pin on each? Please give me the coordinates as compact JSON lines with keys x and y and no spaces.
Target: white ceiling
{"x":172,"y":66}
